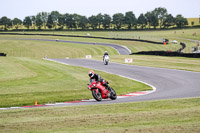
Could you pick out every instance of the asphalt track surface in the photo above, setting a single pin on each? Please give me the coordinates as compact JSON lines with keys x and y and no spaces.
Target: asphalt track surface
{"x":169,"y":83}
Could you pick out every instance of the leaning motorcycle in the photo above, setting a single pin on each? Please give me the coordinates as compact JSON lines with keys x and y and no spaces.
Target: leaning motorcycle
{"x":99,"y":91}
{"x":106,"y":60}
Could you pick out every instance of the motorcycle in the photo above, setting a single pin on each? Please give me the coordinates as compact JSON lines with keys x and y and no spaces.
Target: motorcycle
{"x":106,"y":60}
{"x":100,"y":92}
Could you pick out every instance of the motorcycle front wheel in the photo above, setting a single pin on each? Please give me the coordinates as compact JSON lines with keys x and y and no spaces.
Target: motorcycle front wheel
{"x":97,"y":95}
{"x":113,"y":94}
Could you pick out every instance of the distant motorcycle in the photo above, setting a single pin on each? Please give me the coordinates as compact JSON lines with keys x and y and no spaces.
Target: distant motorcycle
{"x":106,"y":60}
{"x":99,"y":92}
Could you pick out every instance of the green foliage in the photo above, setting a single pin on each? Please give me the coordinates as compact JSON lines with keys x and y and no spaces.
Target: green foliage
{"x":99,"y":18}
{"x":118,"y":20}
{"x":180,"y":21}
{"x":157,"y":17}
{"x":16,"y":22}
{"x":49,"y":22}
{"x":27,"y":22}
{"x":169,"y":21}
{"x":152,"y":19}
{"x":38,"y":20}
{"x":161,"y":14}
{"x":142,"y":21}
{"x":106,"y":21}
{"x":6,"y":22}
{"x":82,"y":22}
{"x":93,"y":21}
{"x":130,"y":19}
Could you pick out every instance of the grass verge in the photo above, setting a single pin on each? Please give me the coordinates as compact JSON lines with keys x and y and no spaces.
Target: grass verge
{"x":24,"y":80}
{"x":170,"y":116}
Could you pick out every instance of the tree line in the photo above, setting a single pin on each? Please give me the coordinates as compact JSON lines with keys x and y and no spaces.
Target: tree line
{"x":54,"y":20}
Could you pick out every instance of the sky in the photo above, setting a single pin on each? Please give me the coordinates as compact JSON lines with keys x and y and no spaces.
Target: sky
{"x":22,"y":8}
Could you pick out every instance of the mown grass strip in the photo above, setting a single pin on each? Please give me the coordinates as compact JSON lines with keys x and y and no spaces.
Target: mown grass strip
{"x":180,"y":116}
{"x":49,"y":82}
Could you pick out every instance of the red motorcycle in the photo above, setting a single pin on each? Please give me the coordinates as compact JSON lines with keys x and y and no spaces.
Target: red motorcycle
{"x":99,"y":92}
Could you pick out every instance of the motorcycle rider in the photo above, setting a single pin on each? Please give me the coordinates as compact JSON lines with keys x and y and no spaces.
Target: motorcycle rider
{"x":106,"y":53}
{"x":97,"y":77}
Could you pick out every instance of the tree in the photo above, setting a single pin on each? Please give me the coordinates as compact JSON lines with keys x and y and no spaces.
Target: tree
{"x":130,"y":19}
{"x":152,"y":19}
{"x":69,"y":21}
{"x":161,"y":13}
{"x":142,"y":20}
{"x":118,"y":20}
{"x":93,"y":21}
{"x":106,"y":21}
{"x":27,"y":22}
{"x":16,"y":22}
{"x":38,"y":21}
{"x":44,"y":18}
{"x":49,"y":23}
{"x":148,"y":19}
{"x":76,"y":19}
{"x":55,"y":15}
{"x":33,"y":19}
{"x":168,"y":21}
{"x":83,"y":21}
{"x":61,"y":20}
{"x":99,"y":18}
{"x":180,"y":21}
{"x":192,"y":23}
{"x":6,"y":22}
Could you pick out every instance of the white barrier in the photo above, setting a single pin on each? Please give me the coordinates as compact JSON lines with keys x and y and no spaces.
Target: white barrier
{"x":88,"y":56}
{"x":128,"y":60}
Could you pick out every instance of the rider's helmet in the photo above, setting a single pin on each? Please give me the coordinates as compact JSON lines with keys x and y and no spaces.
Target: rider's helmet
{"x":106,"y":52}
{"x":91,"y":73}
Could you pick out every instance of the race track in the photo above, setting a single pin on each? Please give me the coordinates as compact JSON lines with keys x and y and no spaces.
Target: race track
{"x":169,"y":83}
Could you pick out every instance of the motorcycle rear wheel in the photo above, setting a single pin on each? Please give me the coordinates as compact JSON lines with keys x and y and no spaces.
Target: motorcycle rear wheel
{"x":113,"y":94}
{"x":97,"y":96}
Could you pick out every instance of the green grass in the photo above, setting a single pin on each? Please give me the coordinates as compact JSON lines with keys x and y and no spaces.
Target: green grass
{"x":24,"y":80}
{"x":170,"y":116}
{"x":146,"y":34}
{"x":40,"y":49}
{"x":25,"y":77}
{"x":181,"y":35}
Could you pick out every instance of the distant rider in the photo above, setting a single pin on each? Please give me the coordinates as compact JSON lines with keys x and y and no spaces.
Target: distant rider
{"x":106,"y":53}
{"x":98,"y":78}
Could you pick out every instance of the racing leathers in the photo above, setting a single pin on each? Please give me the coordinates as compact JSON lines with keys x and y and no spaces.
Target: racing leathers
{"x":98,"y":78}
{"x":106,"y":53}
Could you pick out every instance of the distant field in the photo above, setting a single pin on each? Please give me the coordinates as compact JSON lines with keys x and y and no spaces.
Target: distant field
{"x":189,"y":36}
{"x":195,"y":20}
{"x":40,"y":49}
